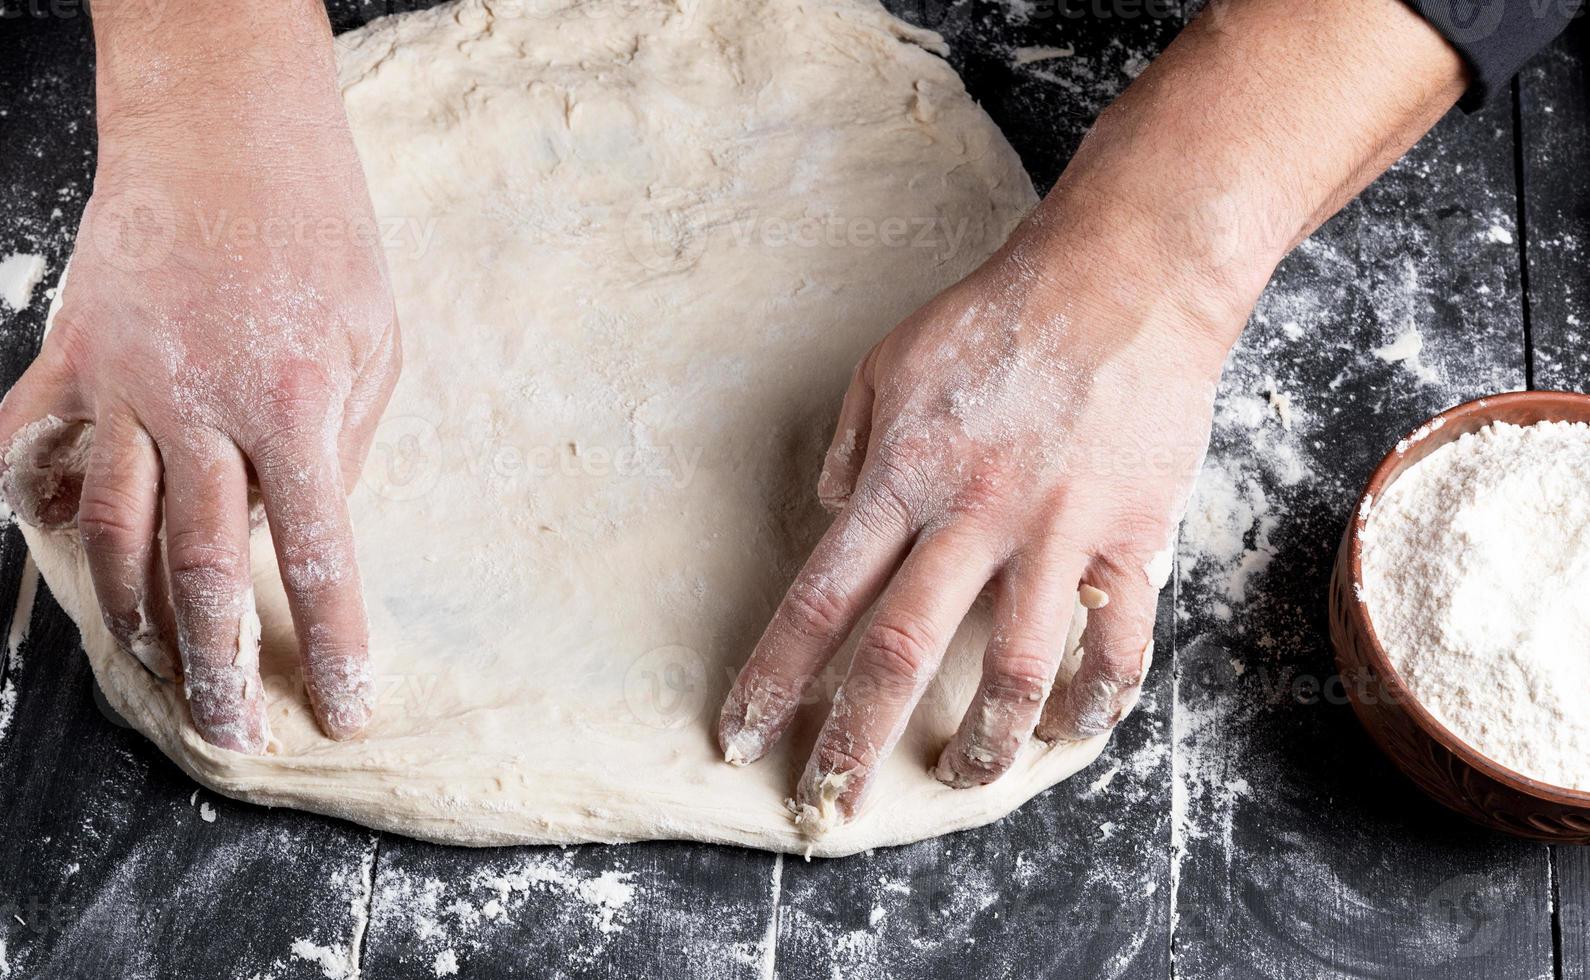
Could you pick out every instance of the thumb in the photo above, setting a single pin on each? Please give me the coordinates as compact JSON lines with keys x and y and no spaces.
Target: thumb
{"x":848,"y":450}
{"x":45,"y":437}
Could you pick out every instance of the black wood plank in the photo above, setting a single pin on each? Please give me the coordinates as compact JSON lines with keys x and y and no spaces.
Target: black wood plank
{"x":1554,"y":115}
{"x":1572,"y":866}
{"x":659,"y":909}
{"x":1043,"y":69}
{"x":1554,"y":123}
{"x":110,"y":866}
{"x":1300,"y":852}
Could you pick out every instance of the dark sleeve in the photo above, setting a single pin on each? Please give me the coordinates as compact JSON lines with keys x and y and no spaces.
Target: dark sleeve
{"x":1496,"y":37}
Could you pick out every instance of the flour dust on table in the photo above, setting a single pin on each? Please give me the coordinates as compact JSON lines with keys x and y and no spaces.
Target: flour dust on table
{"x":637,"y":249}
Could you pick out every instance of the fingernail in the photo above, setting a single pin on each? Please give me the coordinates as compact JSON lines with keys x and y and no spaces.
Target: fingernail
{"x":742,"y":748}
{"x":984,"y":753}
{"x":746,"y":724}
{"x":225,"y":699}
{"x":1105,"y":703}
{"x":945,"y":772}
{"x":816,"y":809}
{"x":225,"y":711}
{"x":343,"y":694}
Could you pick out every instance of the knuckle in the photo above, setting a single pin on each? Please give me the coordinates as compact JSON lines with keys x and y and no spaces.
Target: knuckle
{"x":1140,"y":532}
{"x":832,"y":757}
{"x":1119,"y":665}
{"x":296,"y":398}
{"x":897,"y":489}
{"x":108,"y":516}
{"x":985,"y":492}
{"x":71,"y":340}
{"x":1016,"y":677}
{"x":814,"y":609}
{"x":206,"y":570}
{"x":315,"y":557}
{"x":896,"y":648}
{"x":885,"y":506}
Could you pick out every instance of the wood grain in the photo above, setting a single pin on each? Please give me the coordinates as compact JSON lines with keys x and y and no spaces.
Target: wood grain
{"x":1553,"y":96}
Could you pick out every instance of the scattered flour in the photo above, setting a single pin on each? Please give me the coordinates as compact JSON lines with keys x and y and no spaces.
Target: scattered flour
{"x":1405,"y":350}
{"x":448,"y":918}
{"x":21,"y":617}
{"x":334,"y":961}
{"x":19,"y":273}
{"x":1476,"y":566}
{"x":1029,"y":55}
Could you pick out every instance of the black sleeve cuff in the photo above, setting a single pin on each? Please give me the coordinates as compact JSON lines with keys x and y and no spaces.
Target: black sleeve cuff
{"x":1496,"y":37}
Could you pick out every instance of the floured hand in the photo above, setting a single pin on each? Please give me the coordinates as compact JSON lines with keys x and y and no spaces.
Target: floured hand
{"x":1018,"y":435}
{"x":226,"y":321}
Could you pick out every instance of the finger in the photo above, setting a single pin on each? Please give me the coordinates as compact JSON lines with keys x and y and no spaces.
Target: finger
{"x":207,"y":553}
{"x":848,"y":450}
{"x":362,"y":413}
{"x":1033,"y":605}
{"x":44,"y":443}
{"x":309,"y":521}
{"x":119,"y":518}
{"x":841,"y":578}
{"x":896,"y":657}
{"x":1117,"y":647}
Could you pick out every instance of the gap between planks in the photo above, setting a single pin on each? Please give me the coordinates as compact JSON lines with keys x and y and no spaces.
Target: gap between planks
{"x":770,"y":944}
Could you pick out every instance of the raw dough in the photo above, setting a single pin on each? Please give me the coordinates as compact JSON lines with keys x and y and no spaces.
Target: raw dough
{"x":638,"y":248}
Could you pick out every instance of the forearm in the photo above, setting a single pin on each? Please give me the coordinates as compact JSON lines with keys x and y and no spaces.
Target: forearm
{"x":215,"y":78}
{"x":1262,"y":120}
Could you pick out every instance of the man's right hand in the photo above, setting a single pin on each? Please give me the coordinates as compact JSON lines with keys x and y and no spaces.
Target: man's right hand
{"x":227,"y":320}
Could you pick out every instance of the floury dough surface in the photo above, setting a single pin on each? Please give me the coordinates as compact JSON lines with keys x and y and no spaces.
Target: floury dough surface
{"x":638,"y":248}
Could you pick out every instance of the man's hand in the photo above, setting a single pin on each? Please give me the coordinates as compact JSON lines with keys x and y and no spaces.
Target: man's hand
{"x":1036,"y":428}
{"x":227,"y":322}
{"x":1013,"y":434}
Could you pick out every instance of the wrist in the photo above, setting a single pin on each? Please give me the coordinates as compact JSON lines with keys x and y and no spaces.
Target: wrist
{"x":216,"y":73}
{"x":1186,"y":264}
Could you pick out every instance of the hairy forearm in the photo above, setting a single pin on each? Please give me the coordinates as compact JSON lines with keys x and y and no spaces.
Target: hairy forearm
{"x":1261,"y":121}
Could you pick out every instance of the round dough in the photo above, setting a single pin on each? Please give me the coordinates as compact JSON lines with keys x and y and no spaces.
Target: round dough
{"x":638,"y":248}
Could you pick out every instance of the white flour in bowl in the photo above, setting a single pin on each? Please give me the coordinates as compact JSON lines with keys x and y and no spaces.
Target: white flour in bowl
{"x":1476,"y":573}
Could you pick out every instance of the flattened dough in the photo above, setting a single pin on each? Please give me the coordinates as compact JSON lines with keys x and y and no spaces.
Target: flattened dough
{"x":638,"y":248}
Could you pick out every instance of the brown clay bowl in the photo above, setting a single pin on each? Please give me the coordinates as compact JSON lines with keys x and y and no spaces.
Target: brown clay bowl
{"x":1446,"y":768}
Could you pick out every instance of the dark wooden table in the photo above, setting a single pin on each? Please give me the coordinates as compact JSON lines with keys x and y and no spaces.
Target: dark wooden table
{"x":1240,"y":826}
